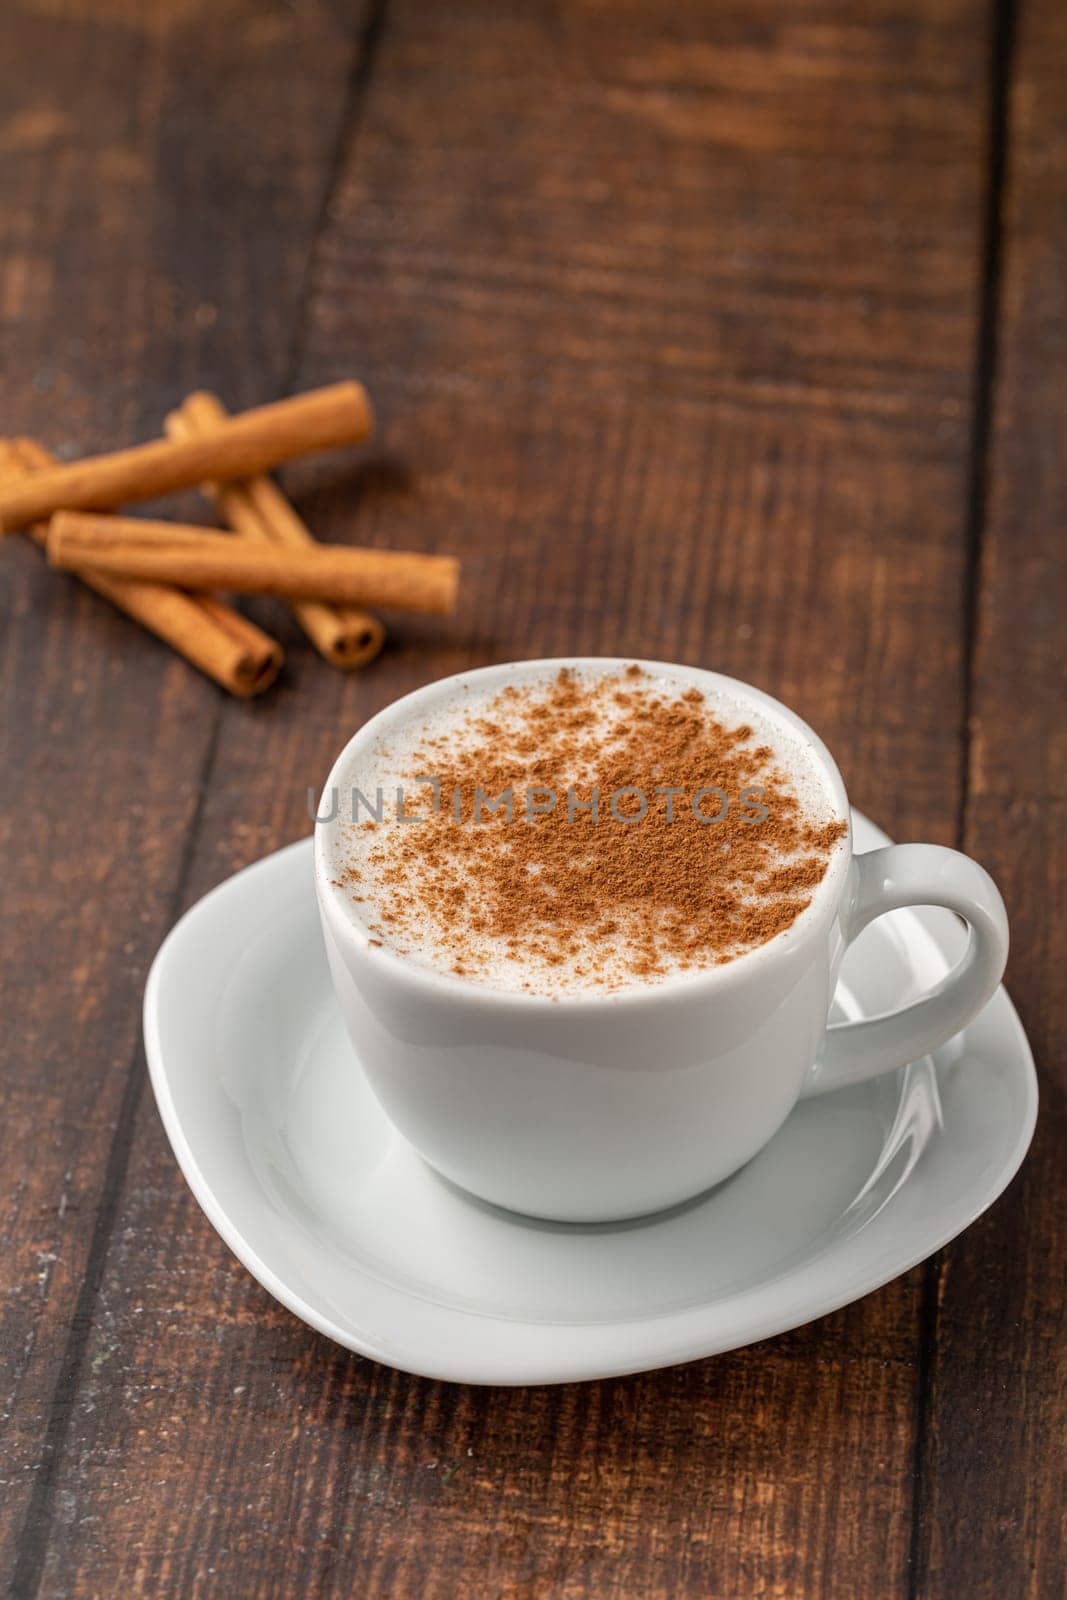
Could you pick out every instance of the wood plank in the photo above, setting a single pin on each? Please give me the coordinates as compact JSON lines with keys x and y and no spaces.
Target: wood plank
{"x":994,"y":1473}
{"x":669,"y":316}
{"x":161,"y":186}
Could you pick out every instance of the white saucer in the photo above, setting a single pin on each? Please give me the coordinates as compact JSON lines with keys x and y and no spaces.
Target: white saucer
{"x":294,"y":1163}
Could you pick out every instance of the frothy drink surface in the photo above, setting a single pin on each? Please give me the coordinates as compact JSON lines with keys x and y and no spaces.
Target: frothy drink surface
{"x":581,"y":832}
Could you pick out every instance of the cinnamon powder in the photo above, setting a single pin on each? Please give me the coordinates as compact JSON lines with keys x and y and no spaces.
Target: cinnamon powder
{"x":584,"y":900}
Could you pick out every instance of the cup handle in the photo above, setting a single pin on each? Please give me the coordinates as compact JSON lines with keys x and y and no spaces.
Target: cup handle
{"x":916,"y":875}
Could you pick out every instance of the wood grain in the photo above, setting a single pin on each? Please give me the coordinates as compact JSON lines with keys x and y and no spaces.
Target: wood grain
{"x":163,"y":176}
{"x":994,"y":1466}
{"x":669,"y":315}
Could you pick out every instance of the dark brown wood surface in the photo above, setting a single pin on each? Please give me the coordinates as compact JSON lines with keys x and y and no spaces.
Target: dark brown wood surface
{"x":730,"y":333}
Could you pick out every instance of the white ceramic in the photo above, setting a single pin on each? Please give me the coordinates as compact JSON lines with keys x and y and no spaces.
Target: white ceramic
{"x":294,"y":1162}
{"x":586,"y":1107}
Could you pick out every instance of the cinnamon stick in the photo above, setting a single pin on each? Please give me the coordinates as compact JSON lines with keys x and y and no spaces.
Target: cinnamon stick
{"x":193,"y":558}
{"x":243,"y":445}
{"x":257,"y":509}
{"x":210,"y":635}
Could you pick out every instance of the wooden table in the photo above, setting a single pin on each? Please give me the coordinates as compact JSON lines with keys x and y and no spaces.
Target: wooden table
{"x":729,"y":332}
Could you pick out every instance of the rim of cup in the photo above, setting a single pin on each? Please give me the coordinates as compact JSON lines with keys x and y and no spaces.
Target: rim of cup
{"x":348,"y":925}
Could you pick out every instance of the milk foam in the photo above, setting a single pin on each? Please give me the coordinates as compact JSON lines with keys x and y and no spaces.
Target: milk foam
{"x":381,"y":777}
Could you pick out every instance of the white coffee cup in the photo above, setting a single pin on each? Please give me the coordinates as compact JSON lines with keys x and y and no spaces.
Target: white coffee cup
{"x":596,"y":1107}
